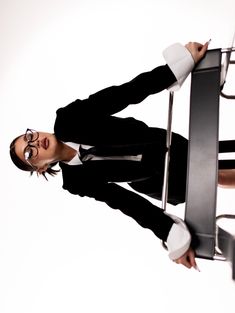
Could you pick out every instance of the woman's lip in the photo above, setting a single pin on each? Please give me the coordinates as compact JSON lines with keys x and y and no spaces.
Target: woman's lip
{"x":45,"y":143}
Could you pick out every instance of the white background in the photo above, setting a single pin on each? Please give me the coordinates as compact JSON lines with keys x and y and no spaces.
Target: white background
{"x":62,"y":253}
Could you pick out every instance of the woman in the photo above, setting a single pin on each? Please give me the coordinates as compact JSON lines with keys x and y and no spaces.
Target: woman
{"x":120,"y":150}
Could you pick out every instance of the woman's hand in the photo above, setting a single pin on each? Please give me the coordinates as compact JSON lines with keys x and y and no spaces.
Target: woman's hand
{"x":188,"y":260}
{"x":197,"y":50}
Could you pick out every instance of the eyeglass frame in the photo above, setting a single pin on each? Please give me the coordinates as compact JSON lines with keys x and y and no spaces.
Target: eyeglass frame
{"x":30,"y":145}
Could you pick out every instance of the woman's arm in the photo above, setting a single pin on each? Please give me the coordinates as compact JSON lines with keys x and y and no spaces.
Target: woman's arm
{"x":114,"y":99}
{"x":180,"y":61}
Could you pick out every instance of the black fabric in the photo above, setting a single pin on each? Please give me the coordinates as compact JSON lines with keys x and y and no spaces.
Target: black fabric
{"x":91,"y":122}
{"x":87,"y":153}
{"x":226,"y":146}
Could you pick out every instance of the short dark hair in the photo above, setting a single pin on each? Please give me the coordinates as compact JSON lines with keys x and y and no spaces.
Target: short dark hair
{"x":26,"y":167}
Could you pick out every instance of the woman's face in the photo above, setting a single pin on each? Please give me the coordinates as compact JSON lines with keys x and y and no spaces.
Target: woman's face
{"x":38,"y":149}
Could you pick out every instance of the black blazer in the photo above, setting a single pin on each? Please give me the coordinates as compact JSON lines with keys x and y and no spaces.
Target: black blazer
{"x":91,"y":122}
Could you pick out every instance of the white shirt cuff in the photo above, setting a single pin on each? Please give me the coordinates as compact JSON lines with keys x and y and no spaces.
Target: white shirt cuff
{"x":179,"y":238}
{"x":181,"y":63}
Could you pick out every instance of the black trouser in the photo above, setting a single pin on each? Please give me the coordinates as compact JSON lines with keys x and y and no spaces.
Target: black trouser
{"x":155,"y":158}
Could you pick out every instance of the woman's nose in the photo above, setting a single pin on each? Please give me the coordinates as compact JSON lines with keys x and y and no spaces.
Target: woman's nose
{"x":38,"y":144}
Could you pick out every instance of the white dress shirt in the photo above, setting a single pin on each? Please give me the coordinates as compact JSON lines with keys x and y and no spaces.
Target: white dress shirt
{"x":77,"y":161}
{"x":181,"y":63}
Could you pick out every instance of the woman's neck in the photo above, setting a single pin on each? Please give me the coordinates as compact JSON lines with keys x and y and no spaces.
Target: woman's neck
{"x":66,"y":153}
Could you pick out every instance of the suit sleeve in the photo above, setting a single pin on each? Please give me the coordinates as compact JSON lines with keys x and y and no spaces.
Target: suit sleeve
{"x":114,"y":99}
{"x":131,"y":204}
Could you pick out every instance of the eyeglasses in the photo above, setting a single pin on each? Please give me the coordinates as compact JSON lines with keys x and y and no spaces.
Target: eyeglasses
{"x":31,"y":150}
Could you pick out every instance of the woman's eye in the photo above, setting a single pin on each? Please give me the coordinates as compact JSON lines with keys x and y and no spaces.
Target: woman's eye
{"x":28,"y":154}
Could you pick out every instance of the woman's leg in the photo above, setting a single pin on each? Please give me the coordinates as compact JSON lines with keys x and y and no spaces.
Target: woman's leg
{"x":226,"y":178}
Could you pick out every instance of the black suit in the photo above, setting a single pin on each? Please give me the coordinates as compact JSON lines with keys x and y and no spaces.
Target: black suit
{"x":91,"y":122}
